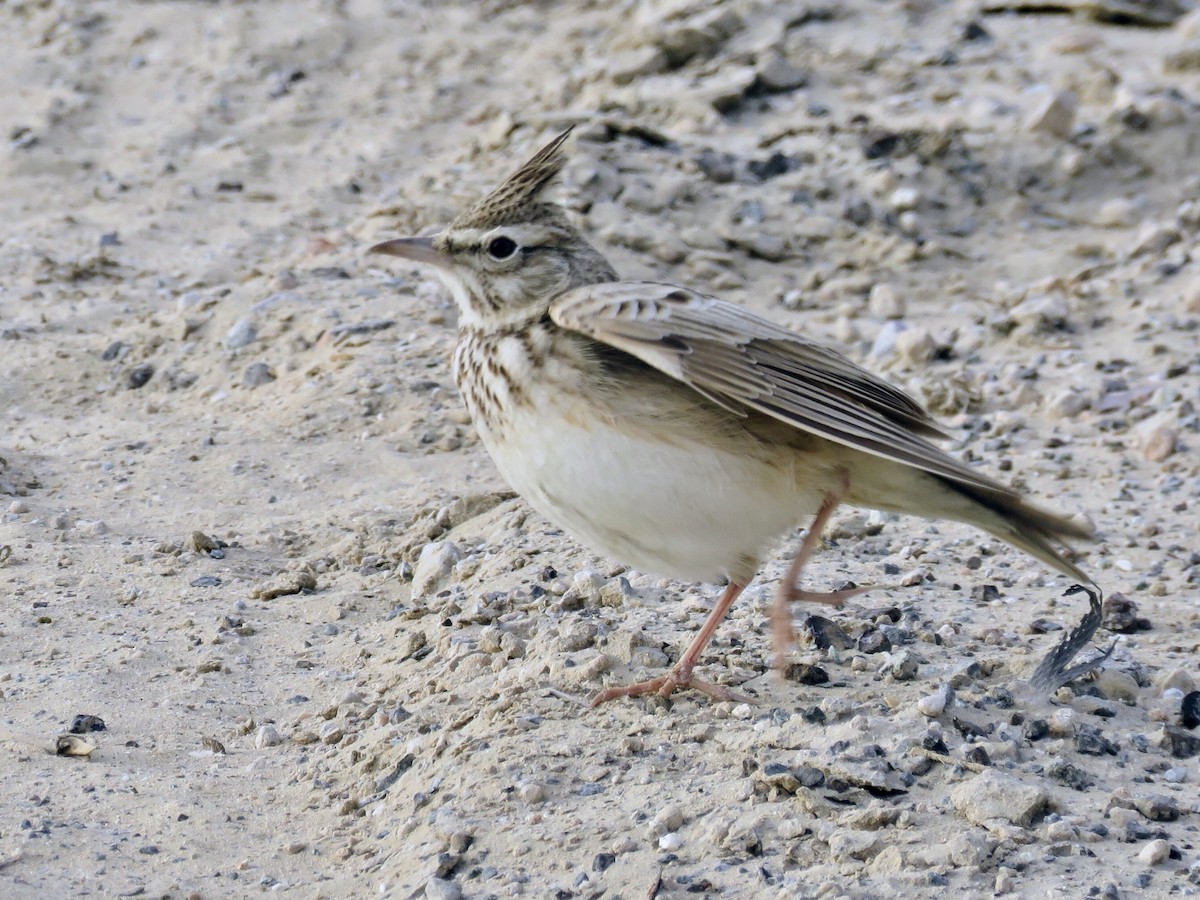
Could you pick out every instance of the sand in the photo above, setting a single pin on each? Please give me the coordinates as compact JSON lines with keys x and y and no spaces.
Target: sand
{"x":230,"y":438}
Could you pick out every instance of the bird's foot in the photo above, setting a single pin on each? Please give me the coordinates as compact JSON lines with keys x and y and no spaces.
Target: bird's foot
{"x":680,"y":676}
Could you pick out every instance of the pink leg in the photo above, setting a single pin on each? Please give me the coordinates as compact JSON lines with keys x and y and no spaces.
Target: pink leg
{"x":781,"y":614}
{"x":680,"y":674}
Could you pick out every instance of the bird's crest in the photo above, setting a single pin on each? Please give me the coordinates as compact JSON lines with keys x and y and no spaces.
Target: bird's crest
{"x":513,"y":201}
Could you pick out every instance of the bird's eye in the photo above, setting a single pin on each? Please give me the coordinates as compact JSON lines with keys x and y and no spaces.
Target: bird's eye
{"x":501,"y":247}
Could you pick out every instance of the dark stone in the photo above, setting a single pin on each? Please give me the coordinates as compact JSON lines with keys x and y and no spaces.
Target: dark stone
{"x":978,"y":755}
{"x":825,"y":633}
{"x":1181,"y":744}
{"x":773,"y":166}
{"x":1136,"y":832}
{"x":1070,"y":775}
{"x":1120,"y":615}
{"x":969,"y":729}
{"x":1157,"y":808}
{"x":113,"y":350}
{"x":139,"y":375}
{"x":82,"y":724}
{"x":874,"y":641}
{"x":1038,"y":729}
{"x":1092,"y":742}
{"x":810,"y":777}
{"x":879,"y":143}
{"x":719,"y":167}
{"x":934,"y":742}
{"x":858,"y":212}
{"x":814,"y":715}
{"x":985,"y":593}
{"x":803,"y":673}
{"x":973,"y":31}
{"x":602,"y":861}
{"x":1189,"y":710}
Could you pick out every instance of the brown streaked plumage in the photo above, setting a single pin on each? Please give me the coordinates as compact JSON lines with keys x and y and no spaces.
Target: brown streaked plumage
{"x":674,"y":431}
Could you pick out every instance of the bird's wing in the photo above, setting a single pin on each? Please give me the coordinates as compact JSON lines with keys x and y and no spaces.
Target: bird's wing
{"x":743,"y":362}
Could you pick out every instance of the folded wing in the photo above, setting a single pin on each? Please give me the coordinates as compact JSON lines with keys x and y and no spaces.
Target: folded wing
{"x":743,"y":361}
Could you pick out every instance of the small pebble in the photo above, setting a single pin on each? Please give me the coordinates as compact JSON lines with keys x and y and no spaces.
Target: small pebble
{"x":240,"y":334}
{"x":434,"y":565}
{"x":668,"y":819}
{"x":258,"y":374}
{"x":933,"y":705}
{"x":267,"y":736}
{"x":670,"y":841}
{"x":904,"y":199}
{"x":901,"y":666}
{"x":1062,"y":722}
{"x":531,"y":792}
{"x":884,"y":303}
{"x":1054,"y":115}
{"x":1154,"y":852}
{"x":330,"y":733}
{"x":442,"y":889}
{"x":139,"y":376}
{"x":1118,"y":212}
{"x":83,"y":724}
{"x":1159,"y":443}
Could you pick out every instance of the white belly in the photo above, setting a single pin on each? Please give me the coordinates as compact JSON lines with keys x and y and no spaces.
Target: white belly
{"x":674,"y":507}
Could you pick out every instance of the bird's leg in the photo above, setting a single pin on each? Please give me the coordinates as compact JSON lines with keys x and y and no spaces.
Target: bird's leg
{"x":781,"y":615}
{"x":680,"y":674}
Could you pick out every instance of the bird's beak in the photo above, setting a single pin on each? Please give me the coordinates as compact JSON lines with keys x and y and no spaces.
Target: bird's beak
{"x":416,"y":249}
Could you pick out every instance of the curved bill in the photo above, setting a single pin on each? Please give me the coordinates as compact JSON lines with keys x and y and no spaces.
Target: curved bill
{"x":417,"y":249}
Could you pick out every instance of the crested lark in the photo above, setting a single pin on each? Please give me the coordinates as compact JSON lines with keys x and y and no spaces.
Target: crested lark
{"x":675,"y":432}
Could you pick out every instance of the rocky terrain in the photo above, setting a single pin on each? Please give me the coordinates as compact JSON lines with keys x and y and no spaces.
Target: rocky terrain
{"x":245,"y":523}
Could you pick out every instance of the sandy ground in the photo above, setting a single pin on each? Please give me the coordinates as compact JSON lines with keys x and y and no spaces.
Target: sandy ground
{"x":228,"y":437}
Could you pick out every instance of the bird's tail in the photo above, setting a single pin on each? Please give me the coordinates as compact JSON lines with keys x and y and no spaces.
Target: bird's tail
{"x":1040,"y":533}
{"x":992,"y":507}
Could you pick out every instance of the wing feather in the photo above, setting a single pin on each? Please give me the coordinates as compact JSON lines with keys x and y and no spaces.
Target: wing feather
{"x":744,"y":362}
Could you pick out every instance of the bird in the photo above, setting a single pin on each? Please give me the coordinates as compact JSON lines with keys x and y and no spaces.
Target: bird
{"x":678,"y":433}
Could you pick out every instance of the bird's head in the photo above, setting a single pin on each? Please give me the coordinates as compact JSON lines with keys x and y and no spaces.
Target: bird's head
{"x":507,"y":257}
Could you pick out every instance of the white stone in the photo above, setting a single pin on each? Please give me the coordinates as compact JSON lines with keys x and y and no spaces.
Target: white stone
{"x":1154,"y":852}
{"x":1062,"y":723}
{"x":1054,"y":114}
{"x":668,"y":819}
{"x":915,"y":346}
{"x":997,"y":795}
{"x":904,"y":199}
{"x":435,"y":563}
{"x":1067,"y":404}
{"x":1119,"y":212}
{"x":933,"y":705}
{"x":531,"y":792}
{"x":884,"y":303}
{"x":240,"y":334}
